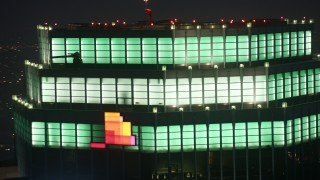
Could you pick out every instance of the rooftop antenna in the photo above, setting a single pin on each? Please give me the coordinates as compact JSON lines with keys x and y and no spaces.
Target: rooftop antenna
{"x":148,"y":11}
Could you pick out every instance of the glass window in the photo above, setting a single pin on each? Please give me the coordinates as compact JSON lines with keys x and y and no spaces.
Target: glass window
{"x":93,"y":90}
{"x":205,"y":50}
{"x":156,"y":92}
{"x":243,"y":48}
{"x":149,"y":50}
{"x":209,"y":90}
{"x":183,"y":91}
{"x":118,"y":50}
{"x":58,"y":50}
{"x":72,"y":45}
{"x":231,"y":48}
{"x":108,"y":90}
{"x":48,"y":89}
{"x":179,"y":50}
{"x":192,"y":50}
{"x":217,"y":49}
{"x":63,"y":89}
{"x":103,"y":50}
{"x":133,"y":51}
{"x":165,"y":50}
{"x":254,"y":48}
{"x":140,"y":91}
{"x":124,"y":91}
{"x":78,"y":90}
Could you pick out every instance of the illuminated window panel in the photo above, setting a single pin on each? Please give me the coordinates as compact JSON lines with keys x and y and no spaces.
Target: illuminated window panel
{"x":214,"y":136}
{"x":289,"y":132}
{"x":240,"y":135}
{"x":63,"y":89}
{"x":165,"y":51}
{"x":58,"y":49}
{"x":313,"y":127}
{"x":217,"y":49}
{"x":147,"y":138}
{"x":262,"y":47}
{"x":133,"y":51}
{"x":278,"y":130}
{"x":192,"y":50}
{"x":243,"y":48}
{"x":93,"y":90}
{"x":227,"y":135}
{"x":222,"y":91}
{"x":301,"y":43}
{"x":72,"y":45}
{"x":278,"y":45}
{"x":231,"y":48}
{"x":196,"y":91}
{"x":248,"y":89}
{"x":118,"y":51}
{"x":317,"y":80}
{"x":235,"y":89}
{"x":78,"y":90}
{"x":103,"y":50}
{"x":254,"y":48}
{"x":293,"y":44}
{"x":98,"y":133}
{"x":201,"y":136}
{"x":48,"y":89}
{"x":124,"y":91}
{"x":83,"y":135}
{"x":87,"y":50}
{"x":286,"y":44}
{"x":53,"y":134}
{"x":270,"y":46}
{"x":305,"y":129}
{"x":183,"y":91}
{"x":156,"y":92}
{"x":318,"y":128}
{"x":303,"y":82}
{"x":188,"y":137}
{"x":108,"y":88}
{"x":253,"y":134}
{"x":209,"y":90}
{"x":179,"y":50}
{"x":205,"y":50}
{"x":272,"y":87}
{"x":68,"y":134}
{"x":287,"y":85}
{"x":310,"y":81}
{"x":308,"y":42}
{"x":297,"y":130}
{"x":171,"y":92}
{"x":140,"y":92}
{"x":260,"y":84}
{"x":295,"y":83}
{"x":279,"y":83}
{"x":174,"y":138}
{"x":38,"y":134}
{"x":266,"y":134}
{"x":149,"y":50}
{"x":162,"y":138}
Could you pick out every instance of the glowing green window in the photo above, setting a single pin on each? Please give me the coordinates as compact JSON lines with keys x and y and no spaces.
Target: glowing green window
{"x":262,"y":47}
{"x":301,"y":43}
{"x":83,"y":135}
{"x":317,"y":80}
{"x":118,"y":50}
{"x":270,"y":46}
{"x":188,"y":137}
{"x":38,"y":134}
{"x":217,"y":46}
{"x":278,"y":45}
{"x":289,"y":132}
{"x":240,"y":135}
{"x":279,"y":86}
{"x":287,"y":85}
{"x":278,"y":130}
{"x":179,"y":50}
{"x":310,"y":81}
{"x":68,"y":135}
{"x":201,"y":136}
{"x":214,"y":136}
{"x":243,"y":48}
{"x":147,"y":138}
{"x":303,"y":82}
{"x":58,"y":49}
{"x":103,"y":50}
{"x":72,"y":45}
{"x":297,"y":130}
{"x":286,"y":44}
{"x":192,"y":50}
{"x":254,"y":48}
{"x":266,"y":134}
{"x":149,"y":50}
{"x":48,"y":89}
{"x":295,"y":84}
{"x":53,"y":134}
{"x":272,"y":86}
{"x":165,"y":50}
{"x":227,"y":135}
{"x":205,"y":50}
{"x":313,"y":126}
{"x":293,"y":43}
{"x":231,"y":48}
{"x":308,"y":42}
{"x":133,"y":51}
{"x":253,"y":134}
{"x":175,"y":138}
{"x":305,"y":129}
{"x":162,"y":138}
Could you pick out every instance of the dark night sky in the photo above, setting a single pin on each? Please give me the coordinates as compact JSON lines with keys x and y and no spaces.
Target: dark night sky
{"x":19,"y":18}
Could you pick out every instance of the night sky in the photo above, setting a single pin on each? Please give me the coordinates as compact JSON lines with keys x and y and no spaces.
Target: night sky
{"x":19,"y":18}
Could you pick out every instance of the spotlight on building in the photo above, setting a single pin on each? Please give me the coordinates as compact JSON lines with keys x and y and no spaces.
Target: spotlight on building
{"x":233,"y":107}
{"x":154,"y":109}
{"x":207,"y":108}
{"x":284,"y":105}
{"x":216,"y":66}
{"x":259,"y":106}
{"x":266,"y":64}
{"x":181,"y":109}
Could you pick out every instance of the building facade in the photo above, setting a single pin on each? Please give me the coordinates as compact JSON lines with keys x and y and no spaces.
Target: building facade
{"x":236,"y":100}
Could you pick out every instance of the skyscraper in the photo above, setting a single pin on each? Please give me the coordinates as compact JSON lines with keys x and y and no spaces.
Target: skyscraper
{"x":172,"y":100}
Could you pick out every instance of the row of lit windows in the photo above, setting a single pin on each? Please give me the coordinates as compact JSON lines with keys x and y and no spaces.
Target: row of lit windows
{"x":175,"y":92}
{"x":187,"y":137}
{"x":292,"y":84}
{"x":182,"y":50}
